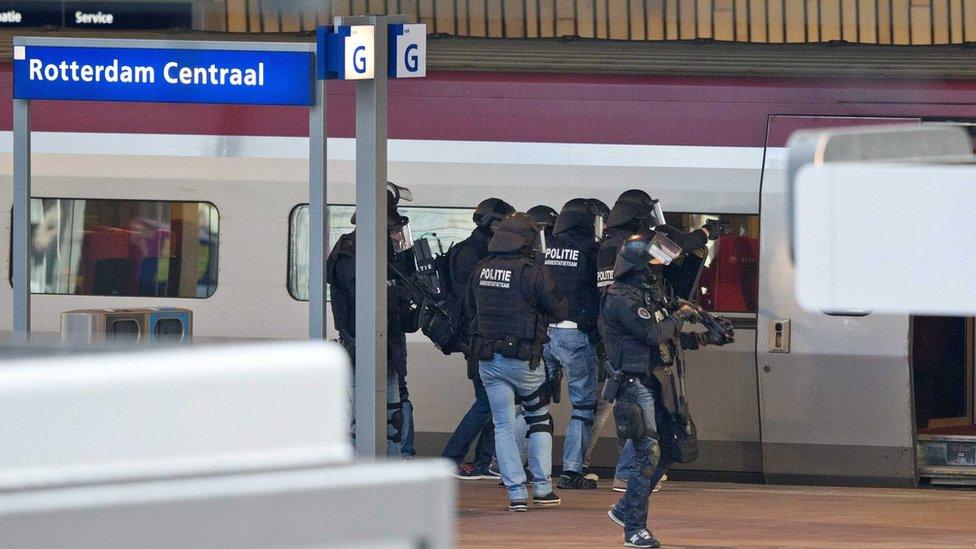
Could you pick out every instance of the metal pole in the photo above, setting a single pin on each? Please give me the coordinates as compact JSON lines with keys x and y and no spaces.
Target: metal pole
{"x":318,"y":214}
{"x":21,"y":229}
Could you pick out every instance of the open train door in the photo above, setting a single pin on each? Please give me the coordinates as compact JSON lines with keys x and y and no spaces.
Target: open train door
{"x":834,"y":387}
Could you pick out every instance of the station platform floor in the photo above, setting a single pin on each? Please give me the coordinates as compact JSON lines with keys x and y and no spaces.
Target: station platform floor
{"x":700,"y":514}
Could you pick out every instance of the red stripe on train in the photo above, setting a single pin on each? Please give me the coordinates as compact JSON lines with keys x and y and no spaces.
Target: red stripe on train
{"x":536,"y":108}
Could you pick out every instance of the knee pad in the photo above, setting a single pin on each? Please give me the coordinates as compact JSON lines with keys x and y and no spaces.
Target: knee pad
{"x":654,"y":457}
{"x":538,"y":424}
{"x":584,"y":412}
{"x":394,"y":422}
{"x":533,"y":401}
{"x":629,"y":417}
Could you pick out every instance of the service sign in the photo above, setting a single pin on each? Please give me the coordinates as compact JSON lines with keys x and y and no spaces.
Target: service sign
{"x":163,"y":75}
{"x":107,"y":15}
{"x":408,"y":51}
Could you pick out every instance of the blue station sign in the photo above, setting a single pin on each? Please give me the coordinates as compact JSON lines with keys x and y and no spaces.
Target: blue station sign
{"x":244,"y":77}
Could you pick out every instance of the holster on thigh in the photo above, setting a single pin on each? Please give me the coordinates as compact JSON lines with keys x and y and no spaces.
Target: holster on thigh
{"x":395,"y":422}
{"x":629,"y":417}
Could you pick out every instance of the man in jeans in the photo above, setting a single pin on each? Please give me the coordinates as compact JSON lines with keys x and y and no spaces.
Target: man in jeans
{"x":571,"y":256}
{"x":513,"y":298}
{"x":476,"y":423}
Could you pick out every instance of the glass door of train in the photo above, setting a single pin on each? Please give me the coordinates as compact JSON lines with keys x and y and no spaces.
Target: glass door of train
{"x":835,"y":388}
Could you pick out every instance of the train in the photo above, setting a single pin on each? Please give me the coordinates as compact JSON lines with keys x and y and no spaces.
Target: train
{"x":204,"y":207}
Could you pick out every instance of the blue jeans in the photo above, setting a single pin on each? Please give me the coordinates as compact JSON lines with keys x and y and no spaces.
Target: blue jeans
{"x":475,"y":423}
{"x":503,"y":379}
{"x":625,"y":462}
{"x":632,"y":507}
{"x":570,"y":349}
{"x":392,"y":405}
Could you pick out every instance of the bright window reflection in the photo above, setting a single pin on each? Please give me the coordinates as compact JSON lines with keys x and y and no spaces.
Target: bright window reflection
{"x":730,"y":280}
{"x":123,"y":247}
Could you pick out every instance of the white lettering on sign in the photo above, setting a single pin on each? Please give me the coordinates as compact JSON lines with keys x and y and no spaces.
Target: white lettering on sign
{"x":173,"y":73}
{"x":562,"y":257}
{"x":604,"y":278}
{"x":496,"y":278}
{"x":99,"y":18}
{"x":213,"y":75}
{"x":11,"y":16}
{"x":360,"y":59}
{"x":73,"y":72}
{"x":411,"y":52}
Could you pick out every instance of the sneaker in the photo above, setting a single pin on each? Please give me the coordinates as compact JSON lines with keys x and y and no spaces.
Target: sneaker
{"x":518,"y":506}
{"x":467,"y":471}
{"x":572,"y":480}
{"x":492,"y":471}
{"x":619,"y":484}
{"x":613,"y":516}
{"x":548,"y":500}
{"x":660,"y":484}
{"x":643,"y":538}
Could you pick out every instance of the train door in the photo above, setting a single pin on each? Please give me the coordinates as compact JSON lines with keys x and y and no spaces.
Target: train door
{"x":943,"y":355}
{"x":834,"y":386}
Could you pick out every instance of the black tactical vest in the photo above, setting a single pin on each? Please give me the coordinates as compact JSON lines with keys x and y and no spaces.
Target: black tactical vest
{"x":502,"y":309}
{"x":625,"y":351}
{"x":567,"y":259}
{"x":607,"y":256}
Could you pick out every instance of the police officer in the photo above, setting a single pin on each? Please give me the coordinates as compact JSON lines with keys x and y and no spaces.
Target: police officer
{"x":635,"y":212}
{"x":401,"y":312}
{"x":512,"y":300}
{"x":642,"y":334}
{"x":476,"y":423}
{"x":571,"y":258}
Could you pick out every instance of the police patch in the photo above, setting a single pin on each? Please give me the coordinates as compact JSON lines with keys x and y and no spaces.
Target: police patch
{"x":644,"y":313}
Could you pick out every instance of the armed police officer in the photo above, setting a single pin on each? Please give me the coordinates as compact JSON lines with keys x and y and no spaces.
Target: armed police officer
{"x":570,"y":256}
{"x":512,"y":299}
{"x":476,"y":423}
{"x":401,"y":311}
{"x":635,"y":212}
{"x":642,"y":331}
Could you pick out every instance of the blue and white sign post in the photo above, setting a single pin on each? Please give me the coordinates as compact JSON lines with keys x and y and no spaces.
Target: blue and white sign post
{"x":370,"y":50}
{"x":173,"y":72}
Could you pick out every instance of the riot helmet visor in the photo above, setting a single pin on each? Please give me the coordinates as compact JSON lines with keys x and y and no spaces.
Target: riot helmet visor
{"x":664,"y":249}
{"x":401,"y":237}
{"x":658,"y":213}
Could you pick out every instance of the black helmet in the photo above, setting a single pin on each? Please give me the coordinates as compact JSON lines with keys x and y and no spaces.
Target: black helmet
{"x":543,"y":215}
{"x":634,"y":256}
{"x":513,"y":233}
{"x":578,"y":212}
{"x":636,"y":195}
{"x":394,"y":193}
{"x":600,"y":207}
{"x":490,"y":211}
{"x":627,"y":213}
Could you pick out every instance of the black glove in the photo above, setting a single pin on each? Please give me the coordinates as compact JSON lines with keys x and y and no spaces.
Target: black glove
{"x":691,"y":341}
{"x":710,"y":338}
{"x":716,"y":228}
{"x":684,"y":314}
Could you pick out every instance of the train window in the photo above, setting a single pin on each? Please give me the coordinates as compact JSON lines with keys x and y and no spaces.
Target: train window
{"x":135,"y":248}
{"x":442,"y":226}
{"x":730,"y":280}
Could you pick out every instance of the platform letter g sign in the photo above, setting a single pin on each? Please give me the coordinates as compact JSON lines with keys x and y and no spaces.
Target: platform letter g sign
{"x":410,"y":58}
{"x":359,"y":59}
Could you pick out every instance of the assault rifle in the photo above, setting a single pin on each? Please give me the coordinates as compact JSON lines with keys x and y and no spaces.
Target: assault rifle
{"x":439,"y":317}
{"x":720,"y":328}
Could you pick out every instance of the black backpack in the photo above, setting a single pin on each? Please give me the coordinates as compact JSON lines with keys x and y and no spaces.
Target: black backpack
{"x":440,"y":313}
